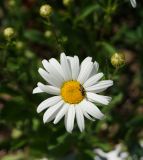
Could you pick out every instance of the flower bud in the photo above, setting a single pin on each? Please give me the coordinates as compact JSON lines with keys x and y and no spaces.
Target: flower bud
{"x":48,"y":34}
{"x":118,"y":59}
{"x":29,"y":54}
{"x":64,"y":39}
{"x":16,"y":133}
{"x":11,"y":3}
{"x":46,"y":10}
{"x":19,"y":45}
{"x":9,"y":33}
{"x":66,"y":2}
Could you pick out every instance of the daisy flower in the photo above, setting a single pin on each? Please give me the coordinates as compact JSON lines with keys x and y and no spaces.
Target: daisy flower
{"x":116,"y":154}
{"x":75,"y":88}
{"x":133,"y":3}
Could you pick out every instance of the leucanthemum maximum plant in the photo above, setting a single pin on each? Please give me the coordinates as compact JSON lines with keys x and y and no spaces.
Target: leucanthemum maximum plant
{"x":75,"y":89}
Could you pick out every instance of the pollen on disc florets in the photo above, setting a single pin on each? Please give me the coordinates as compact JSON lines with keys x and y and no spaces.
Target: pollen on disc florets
{"x":72,"y":92}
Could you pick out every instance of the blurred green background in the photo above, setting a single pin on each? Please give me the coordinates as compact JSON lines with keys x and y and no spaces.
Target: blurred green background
{"x":97,"y":28}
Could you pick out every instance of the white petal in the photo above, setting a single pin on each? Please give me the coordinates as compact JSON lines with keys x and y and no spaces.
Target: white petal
{"x":92,"y":109}
{"x":85,"y":72}
{"x":61,"y":113}
{"x":96,"y":66}
{"x":45,"y":64}
{"x":65,"y":67}
{"x":52,"y":71}
{"x":47,"y":103}
{"x":49,"y":89}
{"x":86,"y":61}
{"x":133,"y":3}
{"x":100,"y":86}
{"x":95,"y":69}
{"x":102,"y":154}
{"x":37,"y":90}
{"x":49,"y":78}
{"x":87,"y":116}
{"x":74,"y":67}
{"x":79,"y":117}
{"x":85,"y":112}
{"x":69,"y":119}
{"x":65,"y":119}
{"x":43,"y":74}
{"x":92,"y":80}
{"x":50,"y":114}
{"x":98,"y":98}
{"x":69,"y":58}
{"x":57,"y":65}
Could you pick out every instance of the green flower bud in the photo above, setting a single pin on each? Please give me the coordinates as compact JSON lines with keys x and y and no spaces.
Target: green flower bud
{"x":66,"y":2}
{"x":9,"y":33}
{"x":19,"y":45}
{"x":29,"y":54}
{"x":16,"y":133}
{"x":11,"y":3}
{"x":48,"y":34}
{"x":64,"y":39}
{"x":46,"y":10}
{"x":118,"y":59}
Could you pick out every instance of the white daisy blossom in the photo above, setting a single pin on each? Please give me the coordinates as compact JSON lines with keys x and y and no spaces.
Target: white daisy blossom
{"x":75,"y":91}
{"x":116,"y":154}
{"x":133,"y":3}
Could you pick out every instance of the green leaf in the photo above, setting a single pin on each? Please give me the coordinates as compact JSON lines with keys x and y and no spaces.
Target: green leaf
{"x":86,"y":12}
{"x":35,"y":36}
{"x":136,"y":122}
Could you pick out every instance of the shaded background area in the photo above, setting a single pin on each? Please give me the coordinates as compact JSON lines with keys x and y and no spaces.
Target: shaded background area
{"x":86,"y":28}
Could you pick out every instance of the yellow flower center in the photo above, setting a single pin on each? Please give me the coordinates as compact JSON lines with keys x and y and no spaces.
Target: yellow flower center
{"x":72,"y":92}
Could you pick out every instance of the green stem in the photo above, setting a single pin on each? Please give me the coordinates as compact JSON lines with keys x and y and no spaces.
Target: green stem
{"x":58,"y":39}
